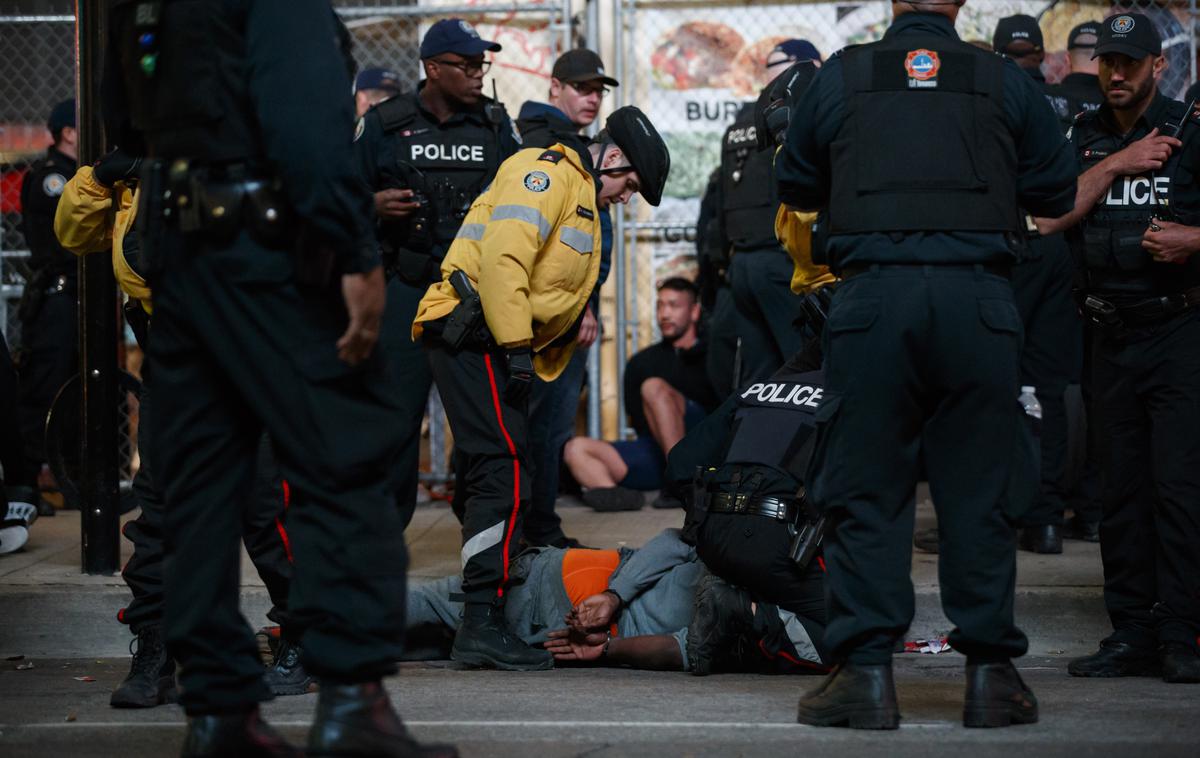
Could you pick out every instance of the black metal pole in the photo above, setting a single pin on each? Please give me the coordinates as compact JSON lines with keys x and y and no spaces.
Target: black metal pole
{"x":98,"y":485}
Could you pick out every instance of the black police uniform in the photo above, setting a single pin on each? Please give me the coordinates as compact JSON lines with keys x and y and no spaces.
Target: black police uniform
{"x":1052,"y":349}
{"x":723,"y":327}
{"x":760,"y":271}
{"x":48,"y":311}
{"x":922,"y":343}
{"x":247,"y":315}
{"x":1079,"y":92}
{"x":402,"y":145}
{"x":1146,"y":378}
{"x":756,"y":445}
{"x":12,"y":453}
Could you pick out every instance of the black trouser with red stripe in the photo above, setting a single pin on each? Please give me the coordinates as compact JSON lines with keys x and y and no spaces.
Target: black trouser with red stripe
{"x":263,"y":533}
{"x":491,"y":440}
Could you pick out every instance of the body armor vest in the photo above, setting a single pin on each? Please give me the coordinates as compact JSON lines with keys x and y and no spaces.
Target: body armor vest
{"x":774,"y":422}
{"x":1109,"y":240}
{"x":748,"y":196}
{"x":925,"y":144}
{"x":184,"y":64}
{"x":449,"y":168}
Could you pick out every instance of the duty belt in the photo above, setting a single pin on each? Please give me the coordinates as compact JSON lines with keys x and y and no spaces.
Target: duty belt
{"x":1140,"y":314}
{"x":771,"y":507}
{"x":996,"y":269}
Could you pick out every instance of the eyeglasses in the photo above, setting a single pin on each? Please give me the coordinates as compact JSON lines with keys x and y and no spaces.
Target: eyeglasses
{"x":467,"y":67}
{"x":588,"y":88}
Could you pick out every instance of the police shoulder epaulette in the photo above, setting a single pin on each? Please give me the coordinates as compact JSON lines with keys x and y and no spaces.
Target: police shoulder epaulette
{"x":396,"y":112}
{"x":551,"y":156}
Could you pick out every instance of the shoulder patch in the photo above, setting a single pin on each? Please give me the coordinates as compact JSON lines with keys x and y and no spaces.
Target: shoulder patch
{"x":53,"y":184}
{"x":537,"y":181}
{"x":551,"y":156}
{"x":359,"y":128}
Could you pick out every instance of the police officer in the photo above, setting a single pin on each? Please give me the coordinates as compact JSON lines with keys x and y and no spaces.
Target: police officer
{"x":427,"y":155}
{"x":921,"y":147}
{"x":1051,"y":352}
{"x":372,"y":86}
{"x":1139,"y":208}
{"x":48,"y":353}
{"x":578,"y":84}
{"x":746,"y":513}
{"x":1081,"y":87}
{"x":529,"y":245}
{"x":760,"y":272}
{"x":268,"y":297}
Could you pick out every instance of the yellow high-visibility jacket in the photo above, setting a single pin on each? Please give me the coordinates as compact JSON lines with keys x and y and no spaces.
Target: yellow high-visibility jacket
{"x":82,"y":226}
{"x":794,"y":231}
{"x":531,"y":246}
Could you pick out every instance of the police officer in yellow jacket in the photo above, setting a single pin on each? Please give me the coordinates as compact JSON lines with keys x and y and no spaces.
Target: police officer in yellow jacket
{"x":514,"y":286}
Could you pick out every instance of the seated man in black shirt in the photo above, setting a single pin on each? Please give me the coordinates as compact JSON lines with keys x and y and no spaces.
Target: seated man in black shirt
{"x":666,"y":389}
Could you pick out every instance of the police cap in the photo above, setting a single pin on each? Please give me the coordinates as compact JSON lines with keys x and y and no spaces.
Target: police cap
{"x":1013,"y":30}
{"x":62,"y":115}
{"x":377,"y":78}
{"x":454,"y":35}
{"x":1130,"y":34}
{"x":1084,"y":35}
{"x":640,"y":142}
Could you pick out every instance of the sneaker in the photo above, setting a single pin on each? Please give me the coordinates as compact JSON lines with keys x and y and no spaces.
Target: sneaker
{"x":151,"y":679}
{"x":14,"y":528}
{"x":609,"y":499}
{"x":484,"y":640}
{"x":288,"y":676}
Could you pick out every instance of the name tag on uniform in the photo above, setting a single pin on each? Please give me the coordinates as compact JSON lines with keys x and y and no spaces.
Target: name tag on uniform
{"x":584,"y":213}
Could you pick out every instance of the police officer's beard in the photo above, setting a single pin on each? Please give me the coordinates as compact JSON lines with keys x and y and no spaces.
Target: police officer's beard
{"x":1139,"y":96}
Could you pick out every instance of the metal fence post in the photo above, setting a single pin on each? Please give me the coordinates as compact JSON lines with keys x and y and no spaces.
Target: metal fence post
{"x":99,"y":506}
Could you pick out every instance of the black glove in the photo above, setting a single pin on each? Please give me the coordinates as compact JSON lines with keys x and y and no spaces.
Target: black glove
{"x":520,"y":376}
{"x":114,"y":166}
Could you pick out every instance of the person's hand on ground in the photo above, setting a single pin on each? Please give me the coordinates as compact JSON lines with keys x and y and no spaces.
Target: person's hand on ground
{"x":567,"y":645}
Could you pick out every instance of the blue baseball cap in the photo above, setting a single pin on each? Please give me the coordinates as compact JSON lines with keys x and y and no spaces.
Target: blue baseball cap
{"x":797,"y":50}
{"x":377,"y":78}
{"x":62,"y":115}
{"x":453,"y":35}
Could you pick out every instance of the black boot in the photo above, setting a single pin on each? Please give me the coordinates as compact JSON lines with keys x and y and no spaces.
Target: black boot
{"x":1079,"y":528}
{"x":1180,"y":663}
{"x":484,"y":640}
{"x":926,"y":540}
{"x":1116,"y":659}
{"x":997,"y":696}
{"x":358,"y":719}
{"x":235,"y":735}
{"x":722,"y":613}
{"x":287,"y":676}
{"x":1046,"y":539}
{"x":151,"y":679}
{"x":860,"y":697}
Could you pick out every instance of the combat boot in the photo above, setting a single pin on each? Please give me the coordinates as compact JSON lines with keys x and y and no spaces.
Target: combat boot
{"x":1180,"y":663}
{"x":1116,"y":658}
{"x":857,"y":696}
{"x":722,"y":613}
{"x":1046,"y":540}
{"x":484,"y":640}
{"x":235,"y":734}
{"x":358,"y":719}
{"x":997,"y":696}
{"x":287,"y":676}
{"x":151,"y":679}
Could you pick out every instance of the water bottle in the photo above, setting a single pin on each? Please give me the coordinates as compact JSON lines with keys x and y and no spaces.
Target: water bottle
{"x":1033,"y":409}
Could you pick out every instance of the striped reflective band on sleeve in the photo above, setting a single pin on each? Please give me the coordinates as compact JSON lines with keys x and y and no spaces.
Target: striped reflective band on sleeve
{"x":576,"y":239}
{"x":488,"y":538}
{"x":528,"y":214}
{"x":470,"y":232}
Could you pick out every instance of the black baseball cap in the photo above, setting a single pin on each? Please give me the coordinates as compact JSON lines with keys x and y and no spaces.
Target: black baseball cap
{"x":1087,"y":28}
{"x":581,"y":65}
{"x":1018,"y":28}
{"x":1131,"y":34}
{"x":377,"y":78}
{"x":647,"y":153}
{"x":454,"y":35}
{"x":61,"y":115}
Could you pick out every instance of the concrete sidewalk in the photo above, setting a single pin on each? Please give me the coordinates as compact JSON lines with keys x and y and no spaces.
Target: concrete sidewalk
{"x":52,"y":610}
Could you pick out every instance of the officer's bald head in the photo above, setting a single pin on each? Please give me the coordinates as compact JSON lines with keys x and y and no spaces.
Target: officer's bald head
{"x":947,"y":8}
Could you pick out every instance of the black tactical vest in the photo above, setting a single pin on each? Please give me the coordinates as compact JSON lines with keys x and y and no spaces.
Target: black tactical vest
{"x":451,"y":166}
{"x":924,"y":145}
{"x":774,"y":422}
{"x":1109,"y":240}
{"x":184,"y":65}
{"x":748,"y":196}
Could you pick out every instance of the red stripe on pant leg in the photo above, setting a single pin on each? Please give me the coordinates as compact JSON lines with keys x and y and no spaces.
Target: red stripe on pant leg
{"x":512,"y":450}
{"x":287,"y":494}
{"x":287,"y":544}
